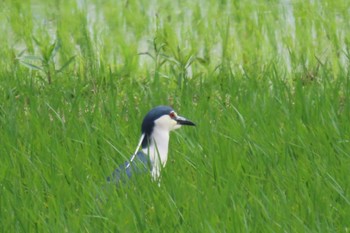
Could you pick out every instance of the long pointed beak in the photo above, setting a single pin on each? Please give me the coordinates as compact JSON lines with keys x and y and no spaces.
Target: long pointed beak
{"x":183,"y":121}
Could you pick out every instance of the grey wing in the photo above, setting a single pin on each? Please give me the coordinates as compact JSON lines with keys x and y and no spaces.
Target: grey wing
{"x":139,"y":165}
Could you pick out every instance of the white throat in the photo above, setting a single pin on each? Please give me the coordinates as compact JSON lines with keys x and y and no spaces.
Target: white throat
{"x":158,"y":150}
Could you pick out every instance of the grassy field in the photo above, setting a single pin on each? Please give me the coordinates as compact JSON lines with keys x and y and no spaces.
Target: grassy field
{"x":266,"y":82}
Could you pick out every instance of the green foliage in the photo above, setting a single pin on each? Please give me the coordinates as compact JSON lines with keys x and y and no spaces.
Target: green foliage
{"x":266,"y":83}
{"x":46,"y":60}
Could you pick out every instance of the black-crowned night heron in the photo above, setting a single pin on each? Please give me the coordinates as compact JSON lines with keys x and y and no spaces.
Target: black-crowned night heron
{"x":156,"y":127}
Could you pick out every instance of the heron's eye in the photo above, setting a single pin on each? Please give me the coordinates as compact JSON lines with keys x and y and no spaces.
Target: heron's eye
{"x":172,"y":115}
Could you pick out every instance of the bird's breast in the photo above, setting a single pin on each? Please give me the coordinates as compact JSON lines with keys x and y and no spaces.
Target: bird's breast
{"x":158,"y":151}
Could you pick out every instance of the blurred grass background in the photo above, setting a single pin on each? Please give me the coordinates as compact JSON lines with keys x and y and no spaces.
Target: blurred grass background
{"x":267,"y":83}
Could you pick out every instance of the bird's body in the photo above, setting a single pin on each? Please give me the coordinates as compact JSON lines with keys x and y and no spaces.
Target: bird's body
{"x":141,"y":164}
{"x":156,"y":127}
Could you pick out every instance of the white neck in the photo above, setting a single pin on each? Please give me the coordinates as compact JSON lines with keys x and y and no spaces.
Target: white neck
{"x":158,"y":150}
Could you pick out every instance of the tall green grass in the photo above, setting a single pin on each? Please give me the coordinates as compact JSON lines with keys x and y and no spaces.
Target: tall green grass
{"x":267,"y":84}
